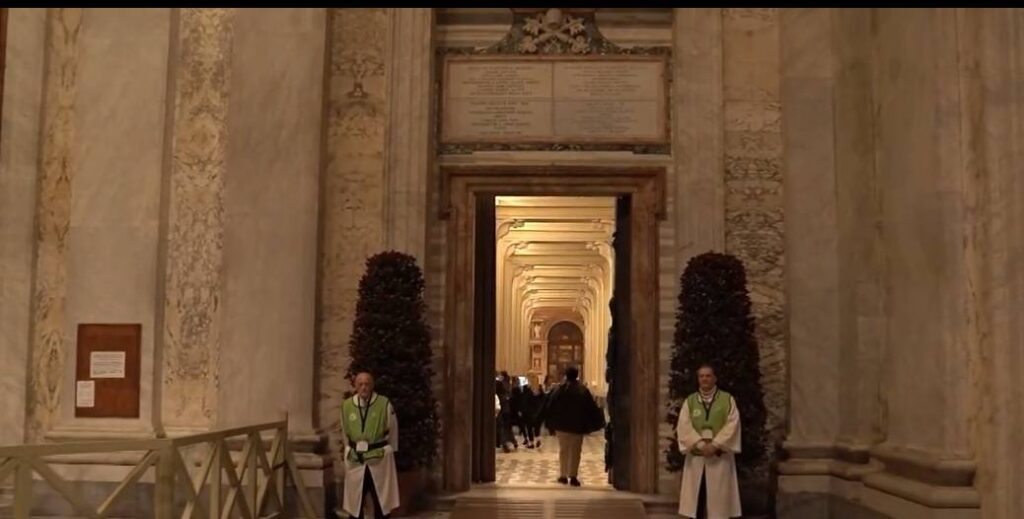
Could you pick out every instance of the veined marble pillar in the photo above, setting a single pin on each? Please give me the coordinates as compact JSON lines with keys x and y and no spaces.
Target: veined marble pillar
{"x":57,"y":166}
{"x":812,"y":266}
{"x":194,"y":243}
{"x":19,"y":172}
{"x":930,"y":227}
{"x":698,"y":138}
{"x":271,"y":189}
{"x":861,"y":253}
{"x":992,"y":70}
{"x":409,"y":145}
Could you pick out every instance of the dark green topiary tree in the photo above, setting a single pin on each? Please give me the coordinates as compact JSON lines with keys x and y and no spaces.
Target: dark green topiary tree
{"x":391,"y":341}
{"x":714,"y":325}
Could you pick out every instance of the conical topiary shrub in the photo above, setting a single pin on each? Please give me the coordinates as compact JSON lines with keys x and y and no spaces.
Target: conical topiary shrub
{"x":714,"y":325}
{"x":391,"y":341}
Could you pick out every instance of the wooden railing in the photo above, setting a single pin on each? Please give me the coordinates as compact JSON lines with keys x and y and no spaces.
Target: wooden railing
{"x":218,"y":488}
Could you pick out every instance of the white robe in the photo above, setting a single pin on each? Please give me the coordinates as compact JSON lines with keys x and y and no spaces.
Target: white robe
{"x":385,"y":478}
{"x":723,"y":492}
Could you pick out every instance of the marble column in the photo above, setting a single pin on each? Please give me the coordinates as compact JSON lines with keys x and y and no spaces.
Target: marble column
{"x":929,"y":228}
{"x":992,"y":70}
{"x":57,"y":166}
{"x":271,"y":191}
{"x":194,"y":228}
{"x":19,"y":171}
{"x":409,"y":129}
{"x":698,"y":140}
{"x":859,"y":222}
{"x":812,"y":266}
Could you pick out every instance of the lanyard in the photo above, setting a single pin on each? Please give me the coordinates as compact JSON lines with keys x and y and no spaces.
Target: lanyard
{"x":364,"y":414}
{"x":707,"y":405}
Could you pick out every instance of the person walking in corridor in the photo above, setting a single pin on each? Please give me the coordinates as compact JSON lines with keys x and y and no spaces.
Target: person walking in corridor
{"x":369,"y":429}
{"x":572,"y":413}
{"x":709,"y":434}
{"x":531,"y":400}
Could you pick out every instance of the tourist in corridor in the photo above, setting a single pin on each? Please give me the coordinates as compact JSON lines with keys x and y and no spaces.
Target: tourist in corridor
{"x":503,"y":422}
{"x":709,"y":434}
{"x":531,"y":401}
{"x":572,"y":413}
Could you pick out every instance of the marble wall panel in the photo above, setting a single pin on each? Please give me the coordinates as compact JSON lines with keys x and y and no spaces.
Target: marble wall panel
{"x":270,"y":217}
{"x":112,"y":244}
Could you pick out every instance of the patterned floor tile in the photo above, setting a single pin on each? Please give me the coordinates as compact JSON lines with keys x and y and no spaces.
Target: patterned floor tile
{"x":540,"y":466}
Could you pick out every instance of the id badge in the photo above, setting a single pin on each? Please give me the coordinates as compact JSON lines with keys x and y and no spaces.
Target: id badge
{"x":362,"y":447}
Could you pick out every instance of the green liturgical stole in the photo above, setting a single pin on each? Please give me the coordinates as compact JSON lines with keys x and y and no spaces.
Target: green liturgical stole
{"x":366,"y":427}
{"x":708,"y":420}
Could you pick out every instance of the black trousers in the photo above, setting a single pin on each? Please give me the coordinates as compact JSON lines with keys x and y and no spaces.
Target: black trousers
{"x":368,"y":487}
{"x":702,"y":498}
{"x":527,"y":429}
{"x":504,"y":431}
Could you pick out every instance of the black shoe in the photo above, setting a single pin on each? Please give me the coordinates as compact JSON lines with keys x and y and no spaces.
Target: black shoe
{"x":563,"y":480}
{"x":574,"y":482}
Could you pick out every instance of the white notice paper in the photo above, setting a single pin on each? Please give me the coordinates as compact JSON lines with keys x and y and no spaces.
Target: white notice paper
{"x":106,"y":364}
{"x":85,"y":396}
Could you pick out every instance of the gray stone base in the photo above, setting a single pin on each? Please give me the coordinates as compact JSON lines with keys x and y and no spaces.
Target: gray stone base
{"x":821,"y":506}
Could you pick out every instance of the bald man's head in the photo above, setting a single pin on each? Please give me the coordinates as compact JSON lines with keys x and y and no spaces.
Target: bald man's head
{"x":364,"y":384}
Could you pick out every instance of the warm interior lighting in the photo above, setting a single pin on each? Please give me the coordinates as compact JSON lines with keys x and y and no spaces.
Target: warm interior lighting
{"x":555,"y":264}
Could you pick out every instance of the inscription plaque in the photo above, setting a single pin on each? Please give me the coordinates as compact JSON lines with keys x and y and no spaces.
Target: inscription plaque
{"x":553,"y":99}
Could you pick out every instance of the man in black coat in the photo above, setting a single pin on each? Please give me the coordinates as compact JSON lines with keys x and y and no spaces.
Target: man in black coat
{"x":572,"y":413}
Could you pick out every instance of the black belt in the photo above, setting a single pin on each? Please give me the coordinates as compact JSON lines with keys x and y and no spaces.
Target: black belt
{"x":376,"y":445}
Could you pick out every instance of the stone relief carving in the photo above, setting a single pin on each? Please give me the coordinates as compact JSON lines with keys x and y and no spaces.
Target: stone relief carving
{"x":50,"y":344}
{"x":552,"y":32}
{"x":352,"y":187}
{"x":195,"y":256}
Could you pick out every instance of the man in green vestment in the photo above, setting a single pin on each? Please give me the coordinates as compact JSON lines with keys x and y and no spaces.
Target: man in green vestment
{"x":369,"y":430}
{"x":709,"y":434}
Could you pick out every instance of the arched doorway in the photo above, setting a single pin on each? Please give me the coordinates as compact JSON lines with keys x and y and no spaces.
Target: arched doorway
{"x":565,"y":348}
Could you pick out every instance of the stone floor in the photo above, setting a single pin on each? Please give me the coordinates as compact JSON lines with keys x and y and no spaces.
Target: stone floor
{"x":539,"y":467}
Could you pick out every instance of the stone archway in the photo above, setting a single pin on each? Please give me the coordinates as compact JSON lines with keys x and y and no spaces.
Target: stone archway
{"x":565,"y":348}
{"x":462,"y":188}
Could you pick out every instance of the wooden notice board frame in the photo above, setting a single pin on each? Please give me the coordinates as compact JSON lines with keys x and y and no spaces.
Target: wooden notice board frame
{"x":114,"y":397}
